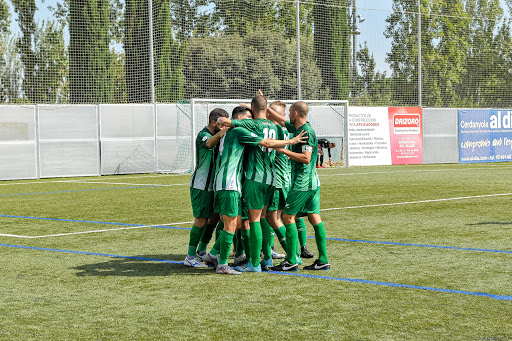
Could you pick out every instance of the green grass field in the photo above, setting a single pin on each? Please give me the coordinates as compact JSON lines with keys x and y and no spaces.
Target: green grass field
{"x":417,"y":253}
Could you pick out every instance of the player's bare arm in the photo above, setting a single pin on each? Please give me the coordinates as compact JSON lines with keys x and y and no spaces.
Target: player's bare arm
{"x":214,"y":140}
{"x":269,"y":143}
{"x":224,"y":122}
{"x":304,"y":157}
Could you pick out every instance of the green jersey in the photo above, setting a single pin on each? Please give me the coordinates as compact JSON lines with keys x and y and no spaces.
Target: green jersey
{"x":260,"y":160}
{"x":304,"y":177}
{"x":282,"y":169}
{"x":205,"y":163}
{"x":228,"y":174}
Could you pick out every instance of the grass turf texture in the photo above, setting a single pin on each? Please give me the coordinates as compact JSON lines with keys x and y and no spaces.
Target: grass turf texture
{"x":59,"y":295}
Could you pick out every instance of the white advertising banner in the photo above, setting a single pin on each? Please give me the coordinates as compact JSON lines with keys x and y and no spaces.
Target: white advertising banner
{"x":368,"y":136}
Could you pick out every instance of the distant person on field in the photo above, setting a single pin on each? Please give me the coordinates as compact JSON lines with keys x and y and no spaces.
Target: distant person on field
{"x":324,"y":143}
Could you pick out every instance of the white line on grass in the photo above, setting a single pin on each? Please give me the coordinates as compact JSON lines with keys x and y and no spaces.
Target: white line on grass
{"x":417,"y":202}
{"x":92,"y":231}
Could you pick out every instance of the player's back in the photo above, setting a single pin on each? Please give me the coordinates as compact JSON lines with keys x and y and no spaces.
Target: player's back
{"x":228,"y":173}
{"x":260,"y":160}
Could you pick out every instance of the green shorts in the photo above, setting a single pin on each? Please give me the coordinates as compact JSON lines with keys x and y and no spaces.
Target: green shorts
{"x":256,"y":195}
{"x":202,"y":202}
{"x":228,"y":203}
{"x":302,"y":202}
{"x":278,"y":199}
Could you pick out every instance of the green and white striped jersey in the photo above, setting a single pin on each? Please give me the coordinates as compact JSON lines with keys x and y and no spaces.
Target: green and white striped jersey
{"x":260,"y":160}
{"x":228,"y":174}
{"x":282,"y":169}
{"x":203,"y":175}
{"x":304,"y":177}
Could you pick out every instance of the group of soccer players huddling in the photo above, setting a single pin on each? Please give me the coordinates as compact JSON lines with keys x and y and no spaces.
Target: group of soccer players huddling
{"x":255,"y":176}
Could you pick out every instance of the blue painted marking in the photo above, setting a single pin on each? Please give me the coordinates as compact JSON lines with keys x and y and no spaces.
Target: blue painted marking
{"x":353,"y":280}
{"x":92,"y":222}
{"x":417,"y":245}
{"x":397,"y":285}
{"x":90,"y":253}
{"x":80,"y":190}
{"x":309,"y":237}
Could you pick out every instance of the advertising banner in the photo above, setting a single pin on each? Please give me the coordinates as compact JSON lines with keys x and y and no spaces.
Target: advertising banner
{"x":485,"y":135}
{"x":406,"y":135}
{"x":368,"y":136}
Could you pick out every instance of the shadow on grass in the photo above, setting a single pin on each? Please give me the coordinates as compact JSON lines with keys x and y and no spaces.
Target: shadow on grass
{"x":140,"y":268}
{"x":491,"y":223}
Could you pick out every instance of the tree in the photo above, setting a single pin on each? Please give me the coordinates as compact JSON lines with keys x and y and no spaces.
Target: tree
{"x":25,"y":9}
{"x":167,"y":53}
{"x":371,"y":88}
{"x":90,"y":74}
{"x":232,"y":66}
{"x":332,"y":46}
{"x":51,"y":64}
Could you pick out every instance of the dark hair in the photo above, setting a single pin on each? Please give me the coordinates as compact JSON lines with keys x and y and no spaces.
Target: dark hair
{"x":237,"y":111}
{"x":216,"y":113}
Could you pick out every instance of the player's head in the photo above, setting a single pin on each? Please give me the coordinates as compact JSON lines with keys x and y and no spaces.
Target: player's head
{"x":259,"y":105}
{"x":332,"y":145}
{"x":214,"y":116}
{"x":241,"y":113}
{"x":298,"y":110}
{"x":278,"y":107}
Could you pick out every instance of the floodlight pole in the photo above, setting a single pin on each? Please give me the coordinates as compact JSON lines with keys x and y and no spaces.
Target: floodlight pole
{"x":151,"y":57}
{"x":297,"y":24}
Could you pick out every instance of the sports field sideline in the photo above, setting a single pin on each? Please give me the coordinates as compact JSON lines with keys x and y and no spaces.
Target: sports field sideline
{"x":417,"y":253}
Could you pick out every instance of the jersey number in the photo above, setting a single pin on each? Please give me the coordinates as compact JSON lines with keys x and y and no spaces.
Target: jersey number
{"x":268,"y":134}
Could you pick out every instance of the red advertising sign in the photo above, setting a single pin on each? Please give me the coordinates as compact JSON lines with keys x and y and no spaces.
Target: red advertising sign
{"x":406,"y":135}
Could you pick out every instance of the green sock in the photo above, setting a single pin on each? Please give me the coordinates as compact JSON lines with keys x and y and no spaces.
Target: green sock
{"x":281,"y":233}
{"x":216,"y":247}
{"x":195,"y":235}
{"x":255,"y":242}
{"x":301,"y":228}
{"x":226,"y":239}
{"x":238,"y":245}
{"x":245,"y":235}
{"x":320,"y":237}
{"x":220,"y":227}
{"x":291,"y":243}
{"x":267,"y":237}
{"x":206,"y":236}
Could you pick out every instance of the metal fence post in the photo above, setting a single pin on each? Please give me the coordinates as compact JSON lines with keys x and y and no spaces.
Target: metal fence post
{"x":297,"y":20}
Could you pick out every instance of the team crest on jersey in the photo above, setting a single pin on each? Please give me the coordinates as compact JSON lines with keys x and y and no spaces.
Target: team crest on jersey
{"x":254,"y":135}
{"x":204,"y":138}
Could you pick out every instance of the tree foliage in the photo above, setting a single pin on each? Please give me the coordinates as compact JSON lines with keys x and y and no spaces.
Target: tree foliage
{"x":237,"y":66}
{"x":332,"y":46}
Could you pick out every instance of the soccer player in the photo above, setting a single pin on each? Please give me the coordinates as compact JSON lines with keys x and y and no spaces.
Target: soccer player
{"x":228,"y":185}
{"x":201,"y":184}
{"x":304,"y":196}
{"x":324,"y":143}
{"x":283,"y":167}
{"x":257,"y":186}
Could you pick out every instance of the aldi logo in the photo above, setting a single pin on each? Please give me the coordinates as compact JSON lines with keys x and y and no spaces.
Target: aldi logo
{"x":406,"y":124}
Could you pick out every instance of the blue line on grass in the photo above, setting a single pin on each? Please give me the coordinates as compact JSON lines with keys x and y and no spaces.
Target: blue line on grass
{"x":80,"y":190}
{"x":353,"y":280}
{"x":417,"y":245}
{"x":91,"y":222}
{"x":90,"y":253}
{"x":397,"y":285}
{"x":309,"y":237}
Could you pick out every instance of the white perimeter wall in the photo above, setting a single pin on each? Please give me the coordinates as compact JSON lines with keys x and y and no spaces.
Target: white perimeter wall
{"x":43,"y":141}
